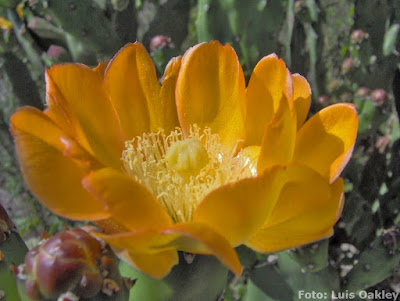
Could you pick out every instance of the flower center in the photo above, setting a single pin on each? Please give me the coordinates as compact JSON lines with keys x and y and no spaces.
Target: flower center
{"x":180,"y":171}
{"x":187,"y":157}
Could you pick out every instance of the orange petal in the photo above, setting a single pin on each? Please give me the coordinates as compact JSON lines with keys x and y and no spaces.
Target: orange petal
{"x":145,"y":250}
{"x":157,"y":265}
{"x":131,"y":82}
{"x":75,"y":151}
{"x":101,"y":68}
{"x":144,"y":241}
{"x":54,"y":179}
{"x":166,"y":111}
{"x":301,"y":98}
{"x":238,"y":210}
{"x":326,"y":141}
{"x":33,"y":122}
{"x":210,"y":91}
{"x":268,"y":83}
{"x":129,"y":202}
{"x":305,"y":212}
{"x":111,"y":226}
{"x":61,"y":117}
{"x":279,"y":139}
{"x":189,"y":237}
{"x":200,"y":238}
{"x":78,"y":92}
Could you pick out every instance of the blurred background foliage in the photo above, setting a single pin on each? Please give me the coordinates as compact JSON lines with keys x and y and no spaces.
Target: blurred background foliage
{"x":347,"y":49}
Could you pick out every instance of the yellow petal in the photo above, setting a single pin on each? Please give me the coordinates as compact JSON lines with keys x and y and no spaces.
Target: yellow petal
{"x":200,"y":238}
{"x":54,"y":179}
{"x":166,"y":110}
{"x":131,"y":82}
{"x":305,"y":212}
{"x":129,"y":202}
{"x":301,"y":98}
{"x":268,"y":83}
{"x":78,"y":91}
{"x":238,"y":210}
{"x":210,"y":91}
{"x":326,"y":141}
{"x":279,"y":139}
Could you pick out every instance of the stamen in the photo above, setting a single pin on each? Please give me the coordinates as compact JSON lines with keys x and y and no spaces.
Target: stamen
{"x":181,"y":171}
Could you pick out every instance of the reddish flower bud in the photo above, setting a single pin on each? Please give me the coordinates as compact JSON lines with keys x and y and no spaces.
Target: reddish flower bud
{"x":346,"y":96}
{"x":298,"y":6}
{"x":362,"y":92}
{"x":378,"y":96}
{"x":159,"y":42}
{"x":382,"y":143}
{"x":358,"y":36}
{"x":334,"y":85}
{"x":348,"y":65}
{"x":323,"y":100}
{"x":5,"y":224}
{"x":72,"y":261}
{"x":57,"y":53}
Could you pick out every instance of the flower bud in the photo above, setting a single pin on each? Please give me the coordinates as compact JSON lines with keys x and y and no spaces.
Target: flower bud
{"x":378,"y":96}
{"x":72,"y":262}
{"x":57,"y":52}
{"x":346,"y":96}
{"x":362,"y":92}
{"x":159,"y":42}
{"x":334,"y":85}
{"x":348,"y":65}
{"x":298,"y":6}
{"x":323,"y":100}
{"x":5,"y":224}
{"x":382,"y":143}
{"x":358,"y":36}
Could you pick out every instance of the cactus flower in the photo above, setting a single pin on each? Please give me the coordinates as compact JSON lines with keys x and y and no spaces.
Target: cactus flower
{"x":197,"y":162}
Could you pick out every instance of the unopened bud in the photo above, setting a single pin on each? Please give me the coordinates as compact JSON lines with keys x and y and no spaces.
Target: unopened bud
{"x":348,"y":65}
{"x":5,"y":224}
{"x":382,"y":143}
{"x":378,"y":96}
{"x":362,"y":92}
{"x":323,"y":100}
{"x":358,"y":36}
{"x":298,"y":6}
{"x":334,"y":85}
{"x":71,"y":261}
{"x":159,"y":42}
{"x":57,"y":53}
{"x":346,"y":96}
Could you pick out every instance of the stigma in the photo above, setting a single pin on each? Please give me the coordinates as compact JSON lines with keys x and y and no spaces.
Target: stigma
{"x":181,"y":170}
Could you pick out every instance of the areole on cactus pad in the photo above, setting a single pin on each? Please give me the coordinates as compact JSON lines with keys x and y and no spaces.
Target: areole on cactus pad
{"x":197,"y":163}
